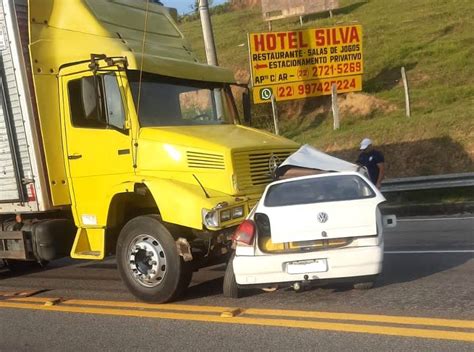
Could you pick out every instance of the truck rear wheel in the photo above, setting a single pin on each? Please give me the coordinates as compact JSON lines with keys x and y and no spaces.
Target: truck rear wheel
{"x":148,"y":261}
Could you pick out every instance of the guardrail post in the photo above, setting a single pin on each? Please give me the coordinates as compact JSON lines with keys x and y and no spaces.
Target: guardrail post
{"x":407,"y":95}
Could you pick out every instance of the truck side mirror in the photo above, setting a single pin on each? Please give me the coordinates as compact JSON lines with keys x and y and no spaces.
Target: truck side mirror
{"x":247,"y":107}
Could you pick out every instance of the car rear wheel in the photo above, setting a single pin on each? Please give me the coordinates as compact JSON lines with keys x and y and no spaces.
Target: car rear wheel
{"x":148,"y":261}
{"x":230,"y":284}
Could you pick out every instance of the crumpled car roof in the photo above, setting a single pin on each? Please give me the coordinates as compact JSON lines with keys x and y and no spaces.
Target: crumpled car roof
{"x":312,"y":158}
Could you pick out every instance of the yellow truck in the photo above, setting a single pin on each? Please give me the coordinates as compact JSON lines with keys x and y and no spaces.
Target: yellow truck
{"x":114,"y":139}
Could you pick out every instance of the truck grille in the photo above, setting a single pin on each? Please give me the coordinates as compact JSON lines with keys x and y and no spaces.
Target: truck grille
{"x":253,"y":168}
{"x":199,"y":160}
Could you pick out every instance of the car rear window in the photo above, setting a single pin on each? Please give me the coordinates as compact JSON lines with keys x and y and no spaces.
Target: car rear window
{"x":318,"y":190}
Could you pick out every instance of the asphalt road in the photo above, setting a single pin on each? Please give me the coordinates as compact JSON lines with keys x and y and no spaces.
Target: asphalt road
{"x":422,"y":301}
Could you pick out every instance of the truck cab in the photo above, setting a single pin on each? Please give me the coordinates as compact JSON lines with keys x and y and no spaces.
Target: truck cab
{"x":137,"y":142}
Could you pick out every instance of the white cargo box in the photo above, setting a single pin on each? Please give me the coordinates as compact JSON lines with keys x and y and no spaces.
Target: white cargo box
{"x":23,"y":184}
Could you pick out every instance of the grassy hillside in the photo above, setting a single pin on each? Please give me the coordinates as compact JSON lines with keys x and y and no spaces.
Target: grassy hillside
{"x":432,"y":39}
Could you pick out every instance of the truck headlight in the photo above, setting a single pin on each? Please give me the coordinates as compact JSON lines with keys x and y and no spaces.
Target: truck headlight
{"x":237,"y":212}
{"x":225,"y":215}
{"x":210,"y":218}
{"x":215,"y":217}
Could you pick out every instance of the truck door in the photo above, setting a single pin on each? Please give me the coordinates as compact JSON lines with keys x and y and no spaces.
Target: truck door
{"x":97,"y":142}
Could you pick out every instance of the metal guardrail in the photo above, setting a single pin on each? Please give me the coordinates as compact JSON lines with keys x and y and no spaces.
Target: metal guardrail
{"x":428,"y":182}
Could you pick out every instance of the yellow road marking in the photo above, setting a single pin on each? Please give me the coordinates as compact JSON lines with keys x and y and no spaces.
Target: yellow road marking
{"x":452,"y":323}
{"x":404,"y":320}
{"x":231,"y":313}
{"x":340,"y":327}
{"x":121,"y":304}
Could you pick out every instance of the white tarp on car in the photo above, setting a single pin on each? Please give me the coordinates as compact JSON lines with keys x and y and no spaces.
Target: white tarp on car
{"x":311,"y":158}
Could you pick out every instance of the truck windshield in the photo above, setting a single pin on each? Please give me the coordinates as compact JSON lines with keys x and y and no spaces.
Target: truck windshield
{"x":166,"y":101}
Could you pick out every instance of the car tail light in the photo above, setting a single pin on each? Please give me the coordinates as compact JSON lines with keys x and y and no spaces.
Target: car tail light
{"x":245,"y":233}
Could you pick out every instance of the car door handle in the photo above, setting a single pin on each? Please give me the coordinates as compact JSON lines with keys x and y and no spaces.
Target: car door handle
{"x":74,"y":156}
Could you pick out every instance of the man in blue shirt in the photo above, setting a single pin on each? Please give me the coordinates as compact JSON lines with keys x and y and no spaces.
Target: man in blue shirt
{"x":373,"y":160}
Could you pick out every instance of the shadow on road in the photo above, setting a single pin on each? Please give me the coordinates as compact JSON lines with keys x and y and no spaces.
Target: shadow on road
{"x":398,"y":269}
{"x":26,"y":268}
{"x":401,"y":268}
{"x":203,"y":289}
{"x":404,"y":268}
{"x":212,"y":288}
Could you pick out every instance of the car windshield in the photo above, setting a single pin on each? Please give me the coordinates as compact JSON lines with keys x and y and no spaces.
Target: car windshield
{"x":317,"y":190}
{"x":166,"y":101}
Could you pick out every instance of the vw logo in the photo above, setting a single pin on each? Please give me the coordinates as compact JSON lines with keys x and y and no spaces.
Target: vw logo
{"x":322,"y":217}
{"x":273,"y":164}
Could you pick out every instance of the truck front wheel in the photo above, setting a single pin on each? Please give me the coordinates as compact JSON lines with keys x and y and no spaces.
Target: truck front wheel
{"x":148,"y":261}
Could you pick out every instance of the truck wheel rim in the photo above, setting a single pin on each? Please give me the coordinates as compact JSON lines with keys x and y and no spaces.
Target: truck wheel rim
{"x":147,"y":261}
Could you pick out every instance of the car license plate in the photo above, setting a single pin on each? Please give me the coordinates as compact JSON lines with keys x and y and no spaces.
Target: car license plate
{"x":307,"y":266}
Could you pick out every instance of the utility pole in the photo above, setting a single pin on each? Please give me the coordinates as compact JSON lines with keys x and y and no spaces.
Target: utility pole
{"x":211,"y":54}
{"x":207,"y":33}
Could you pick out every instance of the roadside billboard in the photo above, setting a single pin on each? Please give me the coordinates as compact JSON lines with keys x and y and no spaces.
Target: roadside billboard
{"x":305,"y":63}
{"x":278,"y":9}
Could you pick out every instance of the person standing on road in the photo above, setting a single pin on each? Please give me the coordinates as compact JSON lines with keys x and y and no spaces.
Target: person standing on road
{"x":373,"y":160}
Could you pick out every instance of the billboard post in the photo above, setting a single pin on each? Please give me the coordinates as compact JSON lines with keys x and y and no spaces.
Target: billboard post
{"x":335,"y":107}
{"x":275,"y":115}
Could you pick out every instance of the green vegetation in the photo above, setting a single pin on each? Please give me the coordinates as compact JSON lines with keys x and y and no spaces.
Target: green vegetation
{"x":214,"y":10}
{"x":432,"y":39}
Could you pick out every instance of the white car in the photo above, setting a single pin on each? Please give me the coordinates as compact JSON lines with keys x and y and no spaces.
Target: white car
{"x":310,"y":229}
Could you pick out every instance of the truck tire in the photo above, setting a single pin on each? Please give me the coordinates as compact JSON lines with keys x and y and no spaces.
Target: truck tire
{"x":148,"y":261}
{"x":231,"y":289}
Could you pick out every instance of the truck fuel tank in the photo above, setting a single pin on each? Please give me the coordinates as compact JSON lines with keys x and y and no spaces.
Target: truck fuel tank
{"x":41,"y":240}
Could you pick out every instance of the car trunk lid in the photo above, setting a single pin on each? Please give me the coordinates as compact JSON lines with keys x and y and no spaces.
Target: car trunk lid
{"x":322,"y":221}
{"x":321,"y":207}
